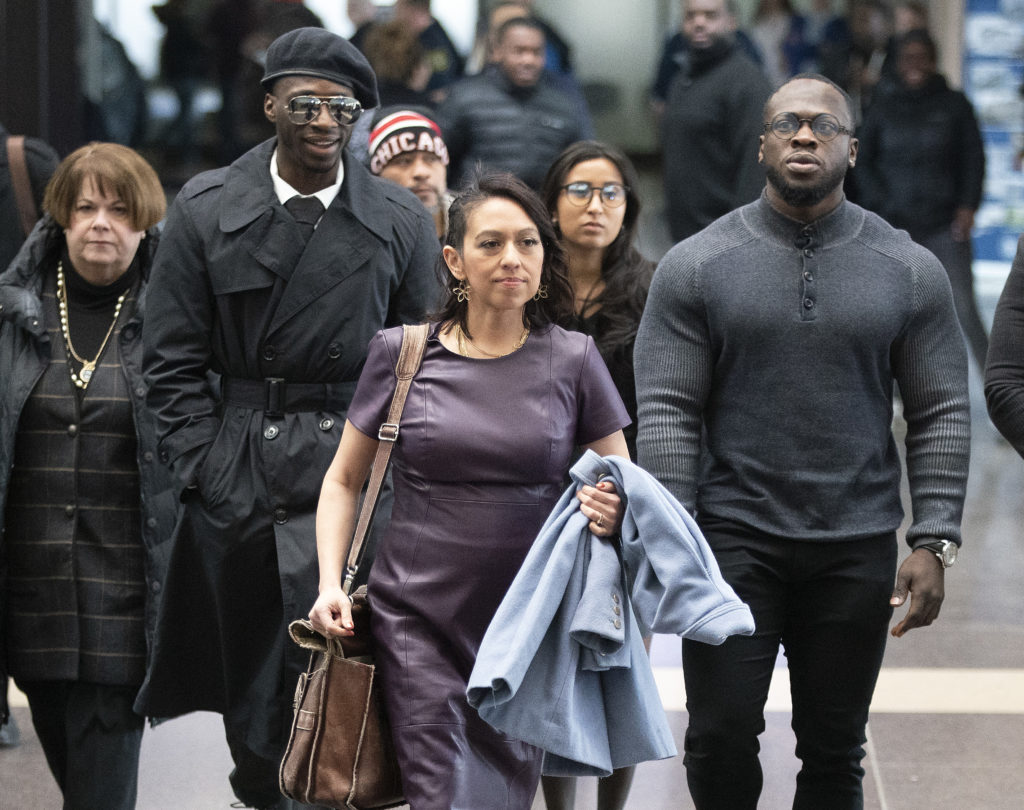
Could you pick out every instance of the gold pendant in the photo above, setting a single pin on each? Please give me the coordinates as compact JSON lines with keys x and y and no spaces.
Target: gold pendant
{"x":86,"y":373}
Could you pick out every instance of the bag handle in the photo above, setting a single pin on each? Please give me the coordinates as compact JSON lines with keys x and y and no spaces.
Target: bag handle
{"x":18,"y":166}
{"x":414,"y":342}
{"x":303,"y":634}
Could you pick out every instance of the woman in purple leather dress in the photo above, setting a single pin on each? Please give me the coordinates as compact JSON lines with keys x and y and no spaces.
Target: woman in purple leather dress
{"x":502,"y":399}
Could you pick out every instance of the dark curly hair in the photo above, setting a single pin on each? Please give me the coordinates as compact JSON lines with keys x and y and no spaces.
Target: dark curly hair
{"x":557,"y":307}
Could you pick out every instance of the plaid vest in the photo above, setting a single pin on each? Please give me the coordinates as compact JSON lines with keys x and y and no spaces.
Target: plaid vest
{"x":75,"y":555}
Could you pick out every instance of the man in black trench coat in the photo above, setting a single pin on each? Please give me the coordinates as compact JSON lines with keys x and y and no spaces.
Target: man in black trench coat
{"x":283,"y":325}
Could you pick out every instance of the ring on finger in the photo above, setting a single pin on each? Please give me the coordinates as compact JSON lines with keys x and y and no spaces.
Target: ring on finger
{"x":600,"y":520}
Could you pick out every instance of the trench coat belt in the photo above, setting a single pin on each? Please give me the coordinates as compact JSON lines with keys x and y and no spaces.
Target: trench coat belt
{"x":275,"y":395}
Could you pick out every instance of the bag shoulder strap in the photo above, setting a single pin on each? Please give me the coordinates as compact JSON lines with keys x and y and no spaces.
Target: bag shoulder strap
{"x":18,"y":167}
{"x":414,"y":342}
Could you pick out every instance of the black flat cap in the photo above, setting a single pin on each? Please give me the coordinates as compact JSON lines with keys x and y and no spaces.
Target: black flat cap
{"x":317,"y":52}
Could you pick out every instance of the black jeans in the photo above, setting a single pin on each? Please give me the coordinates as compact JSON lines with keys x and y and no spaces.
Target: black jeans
{"x":91,"y":738}
{"x":827,"y":604}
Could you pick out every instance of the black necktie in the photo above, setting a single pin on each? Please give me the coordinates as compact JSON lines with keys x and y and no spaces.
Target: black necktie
{"x":307,"y":212}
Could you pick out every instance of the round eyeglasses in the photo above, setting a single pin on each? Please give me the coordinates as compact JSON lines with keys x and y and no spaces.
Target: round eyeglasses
{"x":825,"y":126}
{"x":305,"y":109}
{"x":612,"y":194}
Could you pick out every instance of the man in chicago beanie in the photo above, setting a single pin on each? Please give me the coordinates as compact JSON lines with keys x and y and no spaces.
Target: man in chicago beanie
{"x":406,"y":148}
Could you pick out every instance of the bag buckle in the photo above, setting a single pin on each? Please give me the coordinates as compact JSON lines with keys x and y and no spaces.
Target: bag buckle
{"x":350,"y":578}
{"x":388,"y":432}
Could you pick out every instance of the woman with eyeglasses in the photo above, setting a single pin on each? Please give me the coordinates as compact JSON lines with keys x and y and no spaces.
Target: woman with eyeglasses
{"x":590,"y":193}
{"x":86,"y":509}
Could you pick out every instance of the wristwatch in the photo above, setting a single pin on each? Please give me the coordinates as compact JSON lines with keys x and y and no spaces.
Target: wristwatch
{"x":945,"y":550}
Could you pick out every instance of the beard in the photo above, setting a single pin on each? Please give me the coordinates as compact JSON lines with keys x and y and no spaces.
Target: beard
{"x":805,"y":196}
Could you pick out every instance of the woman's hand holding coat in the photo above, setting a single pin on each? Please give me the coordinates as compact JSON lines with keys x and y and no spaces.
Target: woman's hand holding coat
{"x":603,"y":506}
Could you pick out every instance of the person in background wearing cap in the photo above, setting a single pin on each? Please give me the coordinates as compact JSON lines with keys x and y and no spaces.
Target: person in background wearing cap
{"x":406,"y":148}
{"x":272,"y":276}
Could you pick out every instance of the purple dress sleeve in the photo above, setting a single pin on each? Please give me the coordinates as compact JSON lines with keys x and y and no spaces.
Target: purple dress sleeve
{"x":601,"y":410}
{"x":376,"y":387}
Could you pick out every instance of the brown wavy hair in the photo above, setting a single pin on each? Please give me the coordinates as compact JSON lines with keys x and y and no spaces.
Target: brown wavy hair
{"x":115,"y":170}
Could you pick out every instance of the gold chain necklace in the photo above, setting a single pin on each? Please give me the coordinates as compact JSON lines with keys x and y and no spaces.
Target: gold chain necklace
{"x":81,"y":379}
{"x":461,"y":339}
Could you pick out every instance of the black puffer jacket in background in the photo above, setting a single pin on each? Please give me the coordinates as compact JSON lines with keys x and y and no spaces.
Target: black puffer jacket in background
{"x":921,"y":157}
{"x":488,"y":120}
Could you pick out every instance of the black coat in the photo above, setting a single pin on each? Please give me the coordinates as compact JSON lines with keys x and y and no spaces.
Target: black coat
{"x":710,"y":133}
{"x":24,"y":356}
{"x":245,"y":542}
{"x":920,"y":157}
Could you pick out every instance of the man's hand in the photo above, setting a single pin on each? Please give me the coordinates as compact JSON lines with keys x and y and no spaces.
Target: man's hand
{"x":923,"y":577}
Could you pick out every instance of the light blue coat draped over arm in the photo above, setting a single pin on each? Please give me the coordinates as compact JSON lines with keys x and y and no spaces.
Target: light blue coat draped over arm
{"x":562,"y":665}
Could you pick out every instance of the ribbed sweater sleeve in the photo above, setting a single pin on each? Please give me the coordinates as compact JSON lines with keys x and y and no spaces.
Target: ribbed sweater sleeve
{"x":930,"y":366}
{"x":672,"y":363}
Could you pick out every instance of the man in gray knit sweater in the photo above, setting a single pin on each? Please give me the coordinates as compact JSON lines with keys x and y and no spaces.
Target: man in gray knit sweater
{"x":765,"y":365}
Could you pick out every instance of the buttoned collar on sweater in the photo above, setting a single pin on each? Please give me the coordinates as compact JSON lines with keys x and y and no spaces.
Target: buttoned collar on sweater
{"x":841,"y":224}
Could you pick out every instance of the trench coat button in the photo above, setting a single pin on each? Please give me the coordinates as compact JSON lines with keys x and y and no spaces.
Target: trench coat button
{"x":334,"y":351}
{"x":618,"y":624}
{"x":615,"y":597}
{"x":808,"y":252}
{"x":140,"y":392}
{"x":617,"y":610}
{"x":271,"y":431}
{"x":151,"y":522}
{"x":269,"y":352}
{"x":69,"y":510}
{"x":280,"y":516}
{"x":155,"y":587}
{"x":72,"y":430}
{"x":164,"y":456}
{"x":808,"y":275}
{"x":808,"y":303}
{"x":35,"y":322}
{"x":147,"y":456}
{"x":326,"y":424}
{"x":128,"y":332}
